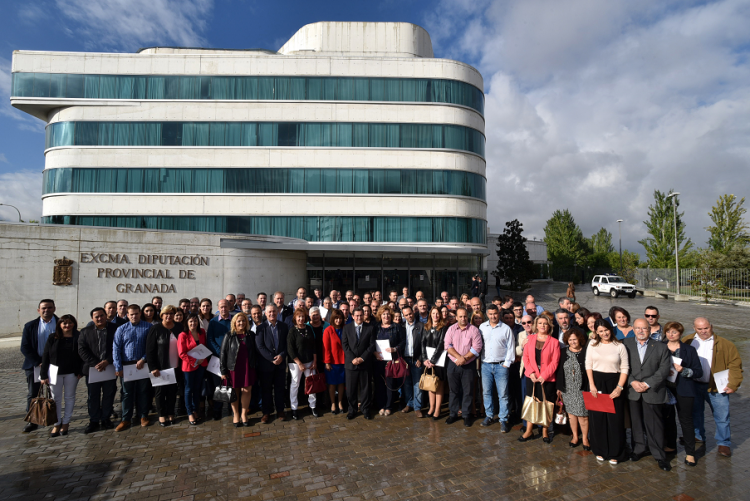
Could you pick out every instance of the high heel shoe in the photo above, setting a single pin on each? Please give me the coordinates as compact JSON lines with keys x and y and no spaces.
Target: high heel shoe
{"x":573,"y":445}
{"x":525,"y":439}
{"x":237,"y":424}
{"x":547,"y":440}
{"x":587,"y":448}
{"x":689,"y":463}
{"x":55,"y":432}
{"x":64,"y":430}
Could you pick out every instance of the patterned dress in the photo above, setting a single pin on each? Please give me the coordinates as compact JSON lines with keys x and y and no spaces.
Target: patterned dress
{"x":572,"y":397}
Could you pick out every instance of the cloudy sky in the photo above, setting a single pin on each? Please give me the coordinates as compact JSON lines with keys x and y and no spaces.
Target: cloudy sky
{"x":591,"y":105}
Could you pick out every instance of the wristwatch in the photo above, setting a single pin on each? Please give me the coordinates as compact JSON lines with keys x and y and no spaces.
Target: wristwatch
{"x":621,"y":388}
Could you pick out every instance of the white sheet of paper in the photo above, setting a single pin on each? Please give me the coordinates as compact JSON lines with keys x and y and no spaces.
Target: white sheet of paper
{"x":383,"y":345}
{"x":441,"y":360}
{"x":165,"y":378}
{"x":213,"y":366}
{"x":37,"y":372}
{"x":52,"y":373}
{"x":108,"y":374}
{"x":200,"y":352}
{"x":130,"y":373}
{"x":722,"y":380}
{"x":323,"y":312}
{"x":672,"y":371}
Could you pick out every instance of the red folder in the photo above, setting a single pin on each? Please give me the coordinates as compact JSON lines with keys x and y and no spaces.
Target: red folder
{"x":600,"y":403}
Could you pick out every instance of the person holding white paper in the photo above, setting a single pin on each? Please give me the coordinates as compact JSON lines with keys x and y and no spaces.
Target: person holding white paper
{"x":129,"y":348}
{"x":432,"y":338}
{"x":716,"y":354}
{"x":192,"y":368}
{"x":160,"y":343}
{"x":683,"y":389}
{"x":386,"y":389}
{"x":61,"y":350}
{"x":95,"y":348}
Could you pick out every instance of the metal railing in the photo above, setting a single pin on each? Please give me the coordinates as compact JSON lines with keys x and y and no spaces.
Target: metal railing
{"x":724,"y":284}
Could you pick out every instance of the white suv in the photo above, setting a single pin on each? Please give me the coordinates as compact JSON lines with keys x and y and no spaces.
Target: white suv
{"x":612,"y":285}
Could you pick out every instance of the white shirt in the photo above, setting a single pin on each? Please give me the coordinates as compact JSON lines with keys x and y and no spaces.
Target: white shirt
{"x":705,"y":351}
{"x":409,"y":339}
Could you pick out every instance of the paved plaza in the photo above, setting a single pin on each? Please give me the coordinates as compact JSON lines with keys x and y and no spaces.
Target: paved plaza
{"x":388,"y":458}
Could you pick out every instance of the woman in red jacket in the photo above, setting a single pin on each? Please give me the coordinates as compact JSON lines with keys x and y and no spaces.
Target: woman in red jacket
{"x":191,"y":367}
{"x":540,"y":358}
{"x":333,"y":356}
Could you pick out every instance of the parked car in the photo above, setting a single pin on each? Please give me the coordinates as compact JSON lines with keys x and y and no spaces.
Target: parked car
{"x":612,"y":285}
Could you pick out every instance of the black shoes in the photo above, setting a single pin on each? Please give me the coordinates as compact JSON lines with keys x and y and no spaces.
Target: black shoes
{"x":315,"y":412}
{"x":451,"y":419}
{"x":664,"y":465}
{"x":690,"y":463}
{"x":163,"y":424}
{"x":350,"y":416}
{"x":636,"y":457}
{"x":367,"y":416}
{"x":526,"y":439}
{"x":217,"y":416}
{"x":90,"y":428}
{"x":244,"y":423}
{"x":587,"y":448}
{"x":467,"y":422}
{"x":573,"y":445}
{"x":108,"y":425}
{"x":295,"y":416}
{"x":547,"y":440}
{"x":30,"y":427}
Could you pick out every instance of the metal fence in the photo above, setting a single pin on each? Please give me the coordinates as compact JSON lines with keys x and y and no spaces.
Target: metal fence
{"x":729,"y":284}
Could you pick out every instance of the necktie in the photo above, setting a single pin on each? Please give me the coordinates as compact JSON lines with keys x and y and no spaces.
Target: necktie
{"x":359,"y":331}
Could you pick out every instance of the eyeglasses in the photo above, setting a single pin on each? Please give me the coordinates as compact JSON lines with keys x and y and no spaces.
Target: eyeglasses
{"x":650,"y":316}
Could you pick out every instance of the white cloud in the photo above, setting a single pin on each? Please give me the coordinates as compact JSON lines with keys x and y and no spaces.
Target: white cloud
{"x":130,"y":24}
{"x":592,"y":105}
{"x":22,"y":189}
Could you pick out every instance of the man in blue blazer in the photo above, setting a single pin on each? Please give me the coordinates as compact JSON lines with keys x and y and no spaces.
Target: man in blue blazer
{"x":33,"y":339}
{"x":270,"y":339}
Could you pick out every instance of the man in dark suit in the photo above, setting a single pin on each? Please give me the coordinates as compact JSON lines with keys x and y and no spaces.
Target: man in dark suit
{"x":647,"y":392}
{"x":95,"y":349}
{"x":33,"y":339}
{"x":358,"y":341}
{"x":413,"y":356}
{"x":283,"y":312}
{"x":270,"y":339}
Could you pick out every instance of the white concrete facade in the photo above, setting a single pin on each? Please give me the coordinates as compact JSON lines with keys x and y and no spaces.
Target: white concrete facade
{"x":337,"y":49}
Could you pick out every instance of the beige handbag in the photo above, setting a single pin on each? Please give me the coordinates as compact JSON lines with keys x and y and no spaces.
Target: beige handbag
{"x":429,"y":382}
{"x":537,"y":412}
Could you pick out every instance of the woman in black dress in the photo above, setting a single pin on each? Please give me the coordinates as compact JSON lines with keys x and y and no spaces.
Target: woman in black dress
{"x":433,"y":337}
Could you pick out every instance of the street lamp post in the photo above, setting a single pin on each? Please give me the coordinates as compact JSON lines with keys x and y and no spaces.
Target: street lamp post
{"x":619,"y":229}
{"x":19,"y":212}
{"x":673,"y":196}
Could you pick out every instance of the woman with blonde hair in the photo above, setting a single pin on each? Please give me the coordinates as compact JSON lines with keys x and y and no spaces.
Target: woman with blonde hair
{"x":237,"y":365}
{"x":386,"y":389}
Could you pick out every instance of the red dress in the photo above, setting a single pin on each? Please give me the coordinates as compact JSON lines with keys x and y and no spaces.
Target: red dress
{"x":242,"y":376}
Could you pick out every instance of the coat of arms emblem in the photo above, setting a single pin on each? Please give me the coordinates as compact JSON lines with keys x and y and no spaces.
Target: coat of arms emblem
{"x":63,"y":273}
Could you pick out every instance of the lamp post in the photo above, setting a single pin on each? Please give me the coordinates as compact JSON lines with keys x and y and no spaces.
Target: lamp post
{"x":619,"y":230}
{"x":673,"y":196}
{"x":19,"y":212}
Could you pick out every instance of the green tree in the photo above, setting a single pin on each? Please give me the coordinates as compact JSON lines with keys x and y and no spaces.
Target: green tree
{"x":565,"y":241}
{"x":729,"y":228}
{"x":660,"y":243}
{"x":630,"y":261}
{"x":513,"y":263}
{"x":601,"y":242}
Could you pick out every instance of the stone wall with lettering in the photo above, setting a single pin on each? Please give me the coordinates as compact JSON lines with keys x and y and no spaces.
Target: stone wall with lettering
{"x":112,"y":264}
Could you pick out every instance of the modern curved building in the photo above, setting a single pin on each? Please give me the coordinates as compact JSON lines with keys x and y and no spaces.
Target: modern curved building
{"x":352,"y":138}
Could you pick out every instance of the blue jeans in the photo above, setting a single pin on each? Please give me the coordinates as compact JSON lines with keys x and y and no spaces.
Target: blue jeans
{"x":719,"y":404}
{"x":498,"y":374}
{"x":193,"y":389}
{"x":412,"y":393}
{"x":135,"y":392}
{"x":101,"y":399}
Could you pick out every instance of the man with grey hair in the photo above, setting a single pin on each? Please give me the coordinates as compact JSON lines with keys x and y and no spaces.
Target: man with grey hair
{"x":283,"y":311}
{"x":531,"y":299}
{"x":271,"y":343}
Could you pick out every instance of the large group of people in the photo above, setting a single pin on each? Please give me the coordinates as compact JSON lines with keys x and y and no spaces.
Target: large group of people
{"x":608,"y":373}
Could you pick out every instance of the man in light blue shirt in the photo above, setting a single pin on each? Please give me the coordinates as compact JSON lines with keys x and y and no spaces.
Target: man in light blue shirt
{"x":498,"y":352}
{"x":129,"y":348}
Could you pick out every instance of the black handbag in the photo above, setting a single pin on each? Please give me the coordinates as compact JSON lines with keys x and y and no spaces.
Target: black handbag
{"x":225,"y":393}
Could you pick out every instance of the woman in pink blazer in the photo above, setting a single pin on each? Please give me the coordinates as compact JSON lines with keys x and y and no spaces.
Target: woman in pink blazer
{"x":192,"y":368}
{"x":333,"y":357}
{"x":540,"y":358}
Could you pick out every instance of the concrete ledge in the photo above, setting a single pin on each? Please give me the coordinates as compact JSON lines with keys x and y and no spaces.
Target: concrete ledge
{"x":649,"y":294}
{"x":681,"y":298}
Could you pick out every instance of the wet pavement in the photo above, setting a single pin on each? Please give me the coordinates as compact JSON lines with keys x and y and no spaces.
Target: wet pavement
{"x":388,"y":458}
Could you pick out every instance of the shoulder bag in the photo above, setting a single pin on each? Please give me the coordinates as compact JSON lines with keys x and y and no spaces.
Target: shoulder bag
{"x":225,"y":393}
{"x":43,"y":410}
{"x":429,"y":382}
{"x":315,"y":383}
{"x":537,"y":412}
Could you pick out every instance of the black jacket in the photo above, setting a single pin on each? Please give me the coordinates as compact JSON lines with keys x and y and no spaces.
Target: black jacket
{"x":433,"y":338}
{"x":157,"y":348}
{"x":397,"y":338}
{"x":88,"y":346}
{"x":52,"y":356}
{"x":301,"y":344}
{"x":264,"y":344}
{"x":230,"y":347}
{"x":417,"y":334}
{"x":560,"y":375}
{"x":364,"y":347}
{"x":686,"y":386}
{"x":29,"y":344}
